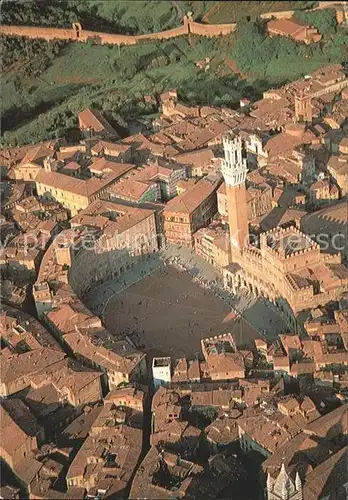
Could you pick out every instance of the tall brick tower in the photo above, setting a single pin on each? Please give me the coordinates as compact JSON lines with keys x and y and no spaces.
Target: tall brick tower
{"x":234,"y":171}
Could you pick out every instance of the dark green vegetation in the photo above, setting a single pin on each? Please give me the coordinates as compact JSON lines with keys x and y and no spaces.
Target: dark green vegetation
{"x":324,"y":20}
{"x":45,"y":84}
{"x":112,"y":80}
{"x":112,"y":16}
{"x":231,"y":12}
{"x":201,"y":416}
{"x":109,"y":16}
{"x":257,"y":53}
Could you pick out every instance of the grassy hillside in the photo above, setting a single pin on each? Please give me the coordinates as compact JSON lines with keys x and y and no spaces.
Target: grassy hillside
{"x":231,"y":12}
{"x":113,"y":16}
{"x":142,"y":16}
{"x":37,"y":105}
{"x":45,"y":85}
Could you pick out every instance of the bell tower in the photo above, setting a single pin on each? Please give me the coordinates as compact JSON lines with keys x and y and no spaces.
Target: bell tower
{"x":234,"y":171}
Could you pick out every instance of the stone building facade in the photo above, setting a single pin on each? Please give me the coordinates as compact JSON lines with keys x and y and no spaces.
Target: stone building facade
{"x":16,"y":444}
{"x":259,"y":201}
{"x":213,"y":245}
{"x":116,"y":250}
{"x":190,"y":211}
{"x":287,"y":267}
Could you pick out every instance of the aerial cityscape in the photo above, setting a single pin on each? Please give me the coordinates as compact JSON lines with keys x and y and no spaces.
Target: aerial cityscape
{"x":174,"y":250}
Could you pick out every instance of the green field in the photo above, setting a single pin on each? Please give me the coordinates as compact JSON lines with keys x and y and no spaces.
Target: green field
{"x":231,"y":12}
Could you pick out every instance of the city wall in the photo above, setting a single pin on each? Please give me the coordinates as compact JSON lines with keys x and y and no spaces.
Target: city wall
{"x":189,"y":26}
{"x":330,"y":4}
{"x":284,"y":14}
{"x":81,"y":35}
{"x":341,"y":14}
{"x":211,"y":30}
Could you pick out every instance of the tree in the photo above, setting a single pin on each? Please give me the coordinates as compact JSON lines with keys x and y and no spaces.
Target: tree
{"x":127,"y":65}
{"x":324,"y":20}
{"x":248,"y":45}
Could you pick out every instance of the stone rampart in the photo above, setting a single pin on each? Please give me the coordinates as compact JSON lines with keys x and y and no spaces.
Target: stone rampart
{"x":107,"y":38}
{"x":211,"y":30}
{"x":283,"y":14}
{"x":288,"y":14}
{"x":34,"y":32}
{"x":189,"y":26}
{"x":181,"y":30}
{"x":82,"y":35}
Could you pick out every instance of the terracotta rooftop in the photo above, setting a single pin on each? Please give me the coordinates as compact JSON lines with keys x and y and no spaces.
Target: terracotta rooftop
{"x":110,"y":444}
{"x":18,"y":327}
{"x":22,"y":416}
{"x":101,"y":165}
{"x":79,"y":187}
{"x":286,"y":26}
{"x":191,"y":199}
{"x":330,"y":476}
{"x":123,"y":361}
{"x":290,"y":342}
{"x":112,"y":218}
{"x":339,"y":164}
{"x":37,"y":153}
{"x":93,"y":119}
{"x":13,"y":156}
{"x":335,"y":422}
{"x":131,"y":189}
{"x":196,"y":158}
{"x":225,"y":363}
{"x":110,"y":148}
{"x":13,"y":437}
{"x":72,"y":166}
{"x":19,"y":366}
{"x":65,"y":374}
{"x":269,"y":431}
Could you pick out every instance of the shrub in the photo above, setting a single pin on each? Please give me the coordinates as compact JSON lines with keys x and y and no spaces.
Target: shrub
{"x":324,"y":20}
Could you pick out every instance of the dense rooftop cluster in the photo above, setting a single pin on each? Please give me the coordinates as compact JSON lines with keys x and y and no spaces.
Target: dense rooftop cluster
{"x":85,"y":412}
